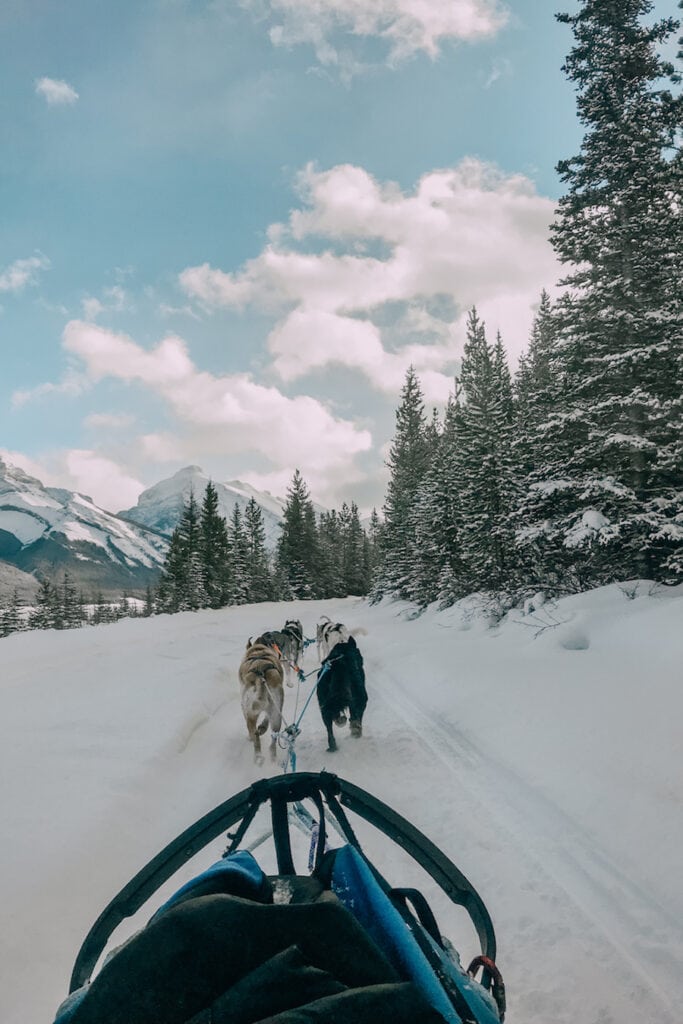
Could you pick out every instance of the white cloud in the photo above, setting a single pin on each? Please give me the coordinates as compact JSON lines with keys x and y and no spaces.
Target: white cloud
{"x":56,"y":92}
{"x":114,"y":301}
{"x":72,"y":383}
{"x":500,"y":68}
{"x":108,"y":484}
{"x":92,"y":307}
{"x":223,"y":414}
{"x":406,"y":26}
{"x":471,"y":234}
{"x":22,"y":272}
{"x":108,"y":421}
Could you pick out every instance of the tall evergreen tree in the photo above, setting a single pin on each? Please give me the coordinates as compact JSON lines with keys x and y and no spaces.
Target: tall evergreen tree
{"x":408,"y":461}
{"x":483,"y":465}
{"x":354,"y":569}
{"x":182,"y":581}
{"x":214,"y":550}
{"x":331,"y":555}
{"x":71,"y":607}
{"x":47,"y":612}
{"x":620,"y":320}
{"x":298,"y":553}
{"x":259,"y":575}
{"x":240,"y":558}
{"x":11,"y":620}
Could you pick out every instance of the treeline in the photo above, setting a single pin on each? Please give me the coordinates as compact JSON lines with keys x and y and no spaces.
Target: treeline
{"x":570,"y":475}
{"x":212,"y":562}
{"x":508,"y":493}
{"x":61,"y":605}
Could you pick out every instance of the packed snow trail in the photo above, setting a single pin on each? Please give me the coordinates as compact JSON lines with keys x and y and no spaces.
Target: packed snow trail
{"x":115,"y":739}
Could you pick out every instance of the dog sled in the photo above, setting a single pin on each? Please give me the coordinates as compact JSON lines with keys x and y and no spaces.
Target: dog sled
{"x":334,"y":943}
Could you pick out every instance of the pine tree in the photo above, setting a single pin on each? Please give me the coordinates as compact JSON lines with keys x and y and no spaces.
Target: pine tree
{"x":331,"y":552}
{"x":71,"y":607}
{"x":11,"y":620}
{"x":182,"y":580}
{"x":47,"y":612}
{"x":408,"y":462}
{"x":239,"y":548}
{"x":541,"y":448}
{"x":214,"y":551}
{"x":148,"y":608}
{"x":354,"y":571}
{"x":621,"y":319}
{"x":483,"y":465}
{"x":298,"y":553}
{"x":260,"y":584}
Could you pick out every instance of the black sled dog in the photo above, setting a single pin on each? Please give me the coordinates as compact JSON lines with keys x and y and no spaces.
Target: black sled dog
{"x":341,"y":688}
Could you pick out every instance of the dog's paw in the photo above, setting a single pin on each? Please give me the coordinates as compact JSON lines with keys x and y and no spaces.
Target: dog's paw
{"x":259,"y":759}
{"x":290,"y":683}
{"x":340,"y":720}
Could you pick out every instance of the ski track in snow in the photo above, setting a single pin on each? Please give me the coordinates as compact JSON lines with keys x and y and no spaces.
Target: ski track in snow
{"x":562,"y":866}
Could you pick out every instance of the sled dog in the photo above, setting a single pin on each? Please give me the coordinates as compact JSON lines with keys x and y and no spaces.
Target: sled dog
{"x":290,"y":642}
{"x":328,"y":634}
{"x":260,"y":675}
{"x":341,"y":687}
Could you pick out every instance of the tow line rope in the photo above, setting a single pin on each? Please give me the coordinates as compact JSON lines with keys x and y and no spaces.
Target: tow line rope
{"x":286,"y":738}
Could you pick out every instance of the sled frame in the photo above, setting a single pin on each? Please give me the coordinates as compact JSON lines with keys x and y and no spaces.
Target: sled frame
{"x":324,"y":789}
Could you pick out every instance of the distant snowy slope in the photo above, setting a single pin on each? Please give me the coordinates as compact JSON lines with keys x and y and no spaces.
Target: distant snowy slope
{"x":543,"y":756}
{"x":50,"y":529}
{"x":160,"y":506}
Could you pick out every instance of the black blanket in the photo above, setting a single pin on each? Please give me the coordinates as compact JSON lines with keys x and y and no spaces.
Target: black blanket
{"x":220,"y":959}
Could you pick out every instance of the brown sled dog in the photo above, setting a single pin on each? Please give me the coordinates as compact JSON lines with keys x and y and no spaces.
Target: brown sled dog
{"x":261,"y":675}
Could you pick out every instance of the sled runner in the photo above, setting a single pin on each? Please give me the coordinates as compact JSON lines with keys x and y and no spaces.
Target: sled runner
{"x":336,"y":944}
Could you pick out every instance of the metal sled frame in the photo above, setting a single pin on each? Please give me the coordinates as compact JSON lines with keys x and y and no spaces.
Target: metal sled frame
{"x":323,"y":789}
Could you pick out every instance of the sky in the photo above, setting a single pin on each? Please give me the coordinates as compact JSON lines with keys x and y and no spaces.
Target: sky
{"x":228,"y":227}
{"x":535,"y":764}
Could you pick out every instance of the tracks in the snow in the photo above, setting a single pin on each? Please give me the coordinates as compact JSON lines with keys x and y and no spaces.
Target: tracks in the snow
{"x":616,"y":921}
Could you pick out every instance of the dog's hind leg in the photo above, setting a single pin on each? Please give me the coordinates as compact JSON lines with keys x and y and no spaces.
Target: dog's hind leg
{"x":331,"y":742}
{"x":356,"y":709}
{"x":255,"y":737}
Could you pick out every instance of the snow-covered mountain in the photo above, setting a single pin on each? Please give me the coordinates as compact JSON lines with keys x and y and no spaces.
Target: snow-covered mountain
{"x":50,"y":529}
{"x":159,"y":507}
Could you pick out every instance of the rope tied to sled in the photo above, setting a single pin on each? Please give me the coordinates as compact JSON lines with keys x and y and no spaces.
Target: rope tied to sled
{"x":288,"y":736}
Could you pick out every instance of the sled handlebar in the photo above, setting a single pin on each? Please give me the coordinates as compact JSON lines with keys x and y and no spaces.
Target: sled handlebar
{"x":281,"y":791}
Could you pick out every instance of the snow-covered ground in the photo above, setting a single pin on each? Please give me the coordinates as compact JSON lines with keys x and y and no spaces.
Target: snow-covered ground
{"x":543,"y":756}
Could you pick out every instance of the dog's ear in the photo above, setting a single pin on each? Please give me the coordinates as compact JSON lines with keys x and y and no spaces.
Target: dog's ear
{"x":249,"y":644}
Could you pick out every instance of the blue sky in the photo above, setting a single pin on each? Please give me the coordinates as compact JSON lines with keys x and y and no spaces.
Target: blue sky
{"x":229,"y":227}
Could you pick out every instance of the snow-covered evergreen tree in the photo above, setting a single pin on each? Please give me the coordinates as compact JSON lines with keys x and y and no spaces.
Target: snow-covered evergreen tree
{"x":259,"y":574}
{"x":11,"y":619}
{"x":182,"y":580}
{"x":620,"y":320}
{"x":483,"y":464}
{"x":72,"y":614}
{"x":214,"y":550}
{"x":46,"y":613}
{"x":331,"y":554}
{"x":298,"y":553}
{"x":239,"y":548}
{"x":354,"y":569}
{"x":408,"y":461}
